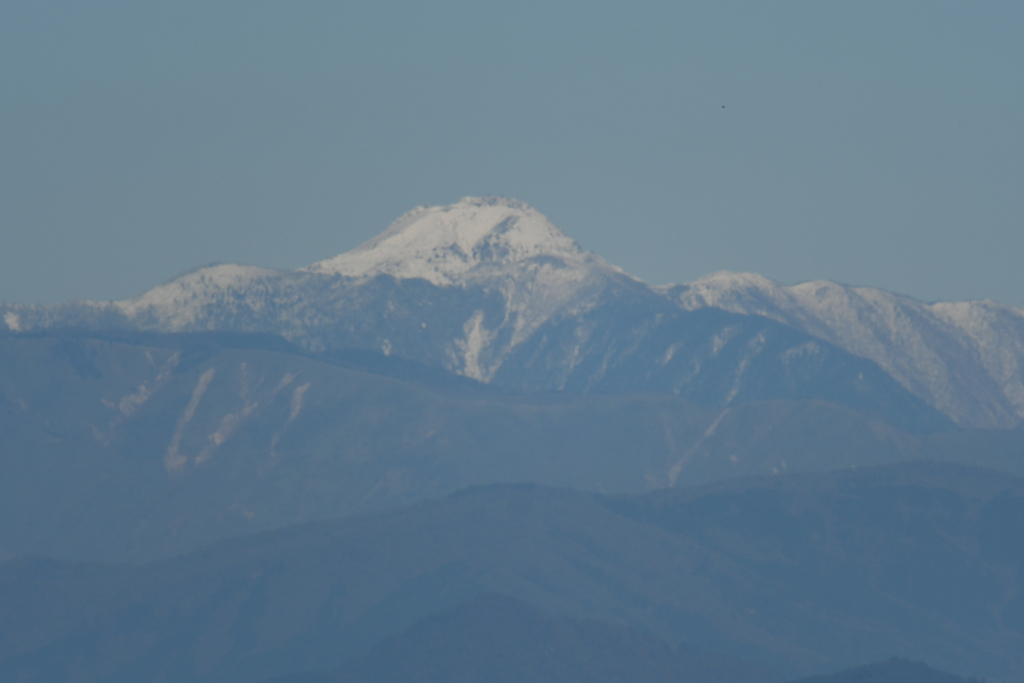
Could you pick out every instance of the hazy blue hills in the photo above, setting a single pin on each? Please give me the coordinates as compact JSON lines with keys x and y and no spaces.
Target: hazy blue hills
{"x":805,"y":574}
{"x":493,"y":637}
{"x":142,"y":445}
{"x":497,"y":639}
{"x":894,"y":670}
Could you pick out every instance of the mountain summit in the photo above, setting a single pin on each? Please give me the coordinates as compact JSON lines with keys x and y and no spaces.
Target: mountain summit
{"x":445,"y":245}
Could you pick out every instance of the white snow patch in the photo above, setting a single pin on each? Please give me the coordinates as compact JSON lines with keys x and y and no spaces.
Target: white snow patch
{"x":228,"y":424}
{"x":133,"y":401}
{"x":13,"y":321}
{"x":476,"y":341}
{"x":127,"y":405}
{"x":710,"y":431}
{"x":173,"y":461}
{"x":297,"y":400}
{"x":719,"y":341}
{"x":677,"y":469}
{"x":669,"y":352}
{"x":740,"y":370}
{"x":810,"y":348}
{"x":296,"y":407}
{"x":285,"y":381}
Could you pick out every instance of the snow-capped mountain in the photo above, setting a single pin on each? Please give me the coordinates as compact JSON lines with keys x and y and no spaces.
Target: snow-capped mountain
{"x":499,"y":245}
{"x":472,"y":240}
{"x":964,"y":358}
{"x":490,"y":289}
{"x":517,"y":269}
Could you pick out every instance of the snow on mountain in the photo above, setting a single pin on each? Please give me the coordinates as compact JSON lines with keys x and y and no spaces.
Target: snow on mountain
{"x":515,"y":268}
{"x":488,"y":285}
{"x":179,"y":304}
{"x":966,"y":359}
{"x":492,"y":242}
{"x":448,"y":245}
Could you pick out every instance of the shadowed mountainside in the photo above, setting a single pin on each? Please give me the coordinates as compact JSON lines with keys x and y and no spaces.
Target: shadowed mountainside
{"x":893,"y":671}
{"x":492,"y":637}
{"x":138,"y":446}
{"x":803,"y":573}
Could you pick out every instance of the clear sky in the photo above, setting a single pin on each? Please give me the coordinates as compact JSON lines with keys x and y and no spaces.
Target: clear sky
{"x":877,"y":143}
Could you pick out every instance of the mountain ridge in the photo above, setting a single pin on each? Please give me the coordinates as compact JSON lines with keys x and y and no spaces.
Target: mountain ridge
{"x":965,"y":358}
{"x":490,"y":289}
{"x":141,"y":444}
{"x":803,"y":573}
{"x":444,"y":244}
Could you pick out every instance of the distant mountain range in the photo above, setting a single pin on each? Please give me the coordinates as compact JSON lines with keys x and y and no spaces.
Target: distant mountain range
{"x":804,"y":574}
{"x":470,"y":450}
{"x":489,"y":289}
{"x":495,"y":638}
{"x":128,"y":445}
{"x":966,"y":359}
{"x":895,"y":670}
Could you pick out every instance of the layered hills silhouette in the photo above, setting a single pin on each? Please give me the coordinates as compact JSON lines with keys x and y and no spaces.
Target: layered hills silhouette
{"x":805,"y":574}
{"x":494,"y":637}
{"x":139,"y":446}
{"x":895,"y":670}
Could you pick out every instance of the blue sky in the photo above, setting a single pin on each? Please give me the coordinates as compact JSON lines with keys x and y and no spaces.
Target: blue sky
{"x":868,"y":143}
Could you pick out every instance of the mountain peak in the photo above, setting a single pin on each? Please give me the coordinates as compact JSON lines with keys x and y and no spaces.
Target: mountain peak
{"x":442,"y":244}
